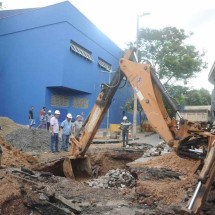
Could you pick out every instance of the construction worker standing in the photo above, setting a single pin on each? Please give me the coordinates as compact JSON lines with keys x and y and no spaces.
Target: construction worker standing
{"x":31,"y":117}
{"x":77,"y":126}
{"x":54,"y":128}
{"x":125,"y":126}
{"x":42,"y":118}
{"x":49,"y":115}
{"x":66,"y":126}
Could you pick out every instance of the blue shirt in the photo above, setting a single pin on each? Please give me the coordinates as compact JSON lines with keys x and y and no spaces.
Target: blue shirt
{"x":66,"y":126}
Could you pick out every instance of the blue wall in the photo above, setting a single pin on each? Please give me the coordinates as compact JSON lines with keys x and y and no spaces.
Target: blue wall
{"x":36,"y":62}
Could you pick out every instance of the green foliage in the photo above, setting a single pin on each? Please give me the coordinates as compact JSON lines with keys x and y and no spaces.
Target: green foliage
{"x":184,"y":96}
{"x":167,"y":51}
{"x":129,"y":106}
{"x":174,"y":60}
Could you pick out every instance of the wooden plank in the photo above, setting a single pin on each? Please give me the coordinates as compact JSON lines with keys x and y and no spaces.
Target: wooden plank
{"x":74,"y":208}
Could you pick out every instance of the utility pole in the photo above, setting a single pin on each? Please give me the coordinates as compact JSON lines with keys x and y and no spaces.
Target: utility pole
{"x":108,"y":111}
{"x":135,"y":95}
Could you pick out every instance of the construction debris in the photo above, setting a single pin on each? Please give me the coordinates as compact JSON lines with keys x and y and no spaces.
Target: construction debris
{"x":119,"y":178}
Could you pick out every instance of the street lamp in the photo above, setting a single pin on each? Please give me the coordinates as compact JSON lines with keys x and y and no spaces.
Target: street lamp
{"x":135,"y":95}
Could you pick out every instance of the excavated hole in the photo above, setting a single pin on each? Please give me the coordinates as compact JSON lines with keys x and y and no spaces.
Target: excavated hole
{"x":101,"y":163}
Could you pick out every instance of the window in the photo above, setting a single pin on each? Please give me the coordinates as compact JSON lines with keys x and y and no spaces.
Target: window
{"x":78,"y":102}
{"x":60,"y":100}
{"x":81,"y":51}
{"x":104,"y":65}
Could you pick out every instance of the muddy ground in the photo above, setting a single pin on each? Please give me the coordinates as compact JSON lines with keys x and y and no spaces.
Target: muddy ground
{"x":32,"y":181}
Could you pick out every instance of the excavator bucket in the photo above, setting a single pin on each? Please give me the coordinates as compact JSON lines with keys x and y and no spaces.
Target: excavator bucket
{"x":77,"y":167}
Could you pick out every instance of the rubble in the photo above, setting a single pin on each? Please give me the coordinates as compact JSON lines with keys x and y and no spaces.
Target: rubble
{"x":161,"y":149}
{"x":116,"y":178}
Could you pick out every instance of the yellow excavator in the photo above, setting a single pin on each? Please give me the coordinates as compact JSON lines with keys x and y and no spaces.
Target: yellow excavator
{"x":187,"y":138}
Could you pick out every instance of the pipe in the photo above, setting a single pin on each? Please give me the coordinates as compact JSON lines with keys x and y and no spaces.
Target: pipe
{"x":194,"y":195}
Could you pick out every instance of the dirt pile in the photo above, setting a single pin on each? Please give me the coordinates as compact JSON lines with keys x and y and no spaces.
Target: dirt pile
{"x":14,"y":158}
{"x":7,"y":126}
{"x":29,"y":140}
{"x":174,"y":182}
{"x":24,"y":139}
{"x":10,"y":196}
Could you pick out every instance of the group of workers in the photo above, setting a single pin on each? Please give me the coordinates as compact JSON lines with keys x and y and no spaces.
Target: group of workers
{"x":51,"y":123}
{"x":68,"y":128}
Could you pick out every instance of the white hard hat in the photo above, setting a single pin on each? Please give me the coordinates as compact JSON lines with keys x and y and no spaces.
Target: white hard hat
{"x":49,"y":111}
{"x":69,"y":115}
{"x":124,"y":118}
{"x":57,"y":112}
{"x":78,"y":116}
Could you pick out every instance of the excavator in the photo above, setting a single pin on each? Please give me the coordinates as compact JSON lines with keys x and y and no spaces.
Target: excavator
{"x":185,"y":137}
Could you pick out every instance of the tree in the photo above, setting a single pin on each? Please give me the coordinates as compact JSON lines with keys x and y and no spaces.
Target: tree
{"x":198,"y":97}
{"x":167,"y":51}
{"x":185,"y":96}
{"x":174,"y":60}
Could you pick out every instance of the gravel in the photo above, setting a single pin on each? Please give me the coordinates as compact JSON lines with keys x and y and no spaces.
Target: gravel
{"x":29,"y":140}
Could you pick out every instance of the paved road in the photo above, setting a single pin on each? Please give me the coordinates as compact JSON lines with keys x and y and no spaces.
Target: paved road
{"x":148,"y":138}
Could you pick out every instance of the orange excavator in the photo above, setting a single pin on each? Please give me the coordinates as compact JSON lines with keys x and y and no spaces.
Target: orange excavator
{"x":187,"y":138}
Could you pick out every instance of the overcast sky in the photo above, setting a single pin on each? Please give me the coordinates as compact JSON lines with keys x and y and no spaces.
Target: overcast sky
{"x":118,"y":20}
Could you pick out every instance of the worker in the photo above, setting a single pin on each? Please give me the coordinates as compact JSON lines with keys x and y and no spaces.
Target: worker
{"x":31,"y":117}
{"x":54,"y":128}
{"x":77,"y":126}
{"x":66,"y":127}
{"x":49,"y":115}
{"x":125,"y":126}
{"x":42,"y":118}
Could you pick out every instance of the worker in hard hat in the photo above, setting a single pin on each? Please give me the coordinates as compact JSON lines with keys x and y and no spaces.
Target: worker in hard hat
{"x":54,"y":129}
{"x":49,"y":115}
{"x":125,"y":126}
{"x":66,"y":127}
{"x":77,"y":126}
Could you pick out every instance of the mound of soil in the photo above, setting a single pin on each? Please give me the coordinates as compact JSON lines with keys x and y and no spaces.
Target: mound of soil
{"x":14,"y":158}
{"x":7,"y":126}
{"x":29,"y":140}
{"x":171,"y":191}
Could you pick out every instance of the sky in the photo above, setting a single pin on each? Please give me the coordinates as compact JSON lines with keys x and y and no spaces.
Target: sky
{"x":118,"y":20}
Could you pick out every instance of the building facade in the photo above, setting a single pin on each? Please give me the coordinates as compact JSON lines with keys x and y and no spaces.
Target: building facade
{"x":55,"y":57}
{"x":196,"y":113}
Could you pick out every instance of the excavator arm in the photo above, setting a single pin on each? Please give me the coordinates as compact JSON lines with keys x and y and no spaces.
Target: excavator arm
{"x":187,"y":138}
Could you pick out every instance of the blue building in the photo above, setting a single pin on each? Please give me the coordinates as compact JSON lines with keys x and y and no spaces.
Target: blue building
{"x":54,"y":57}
